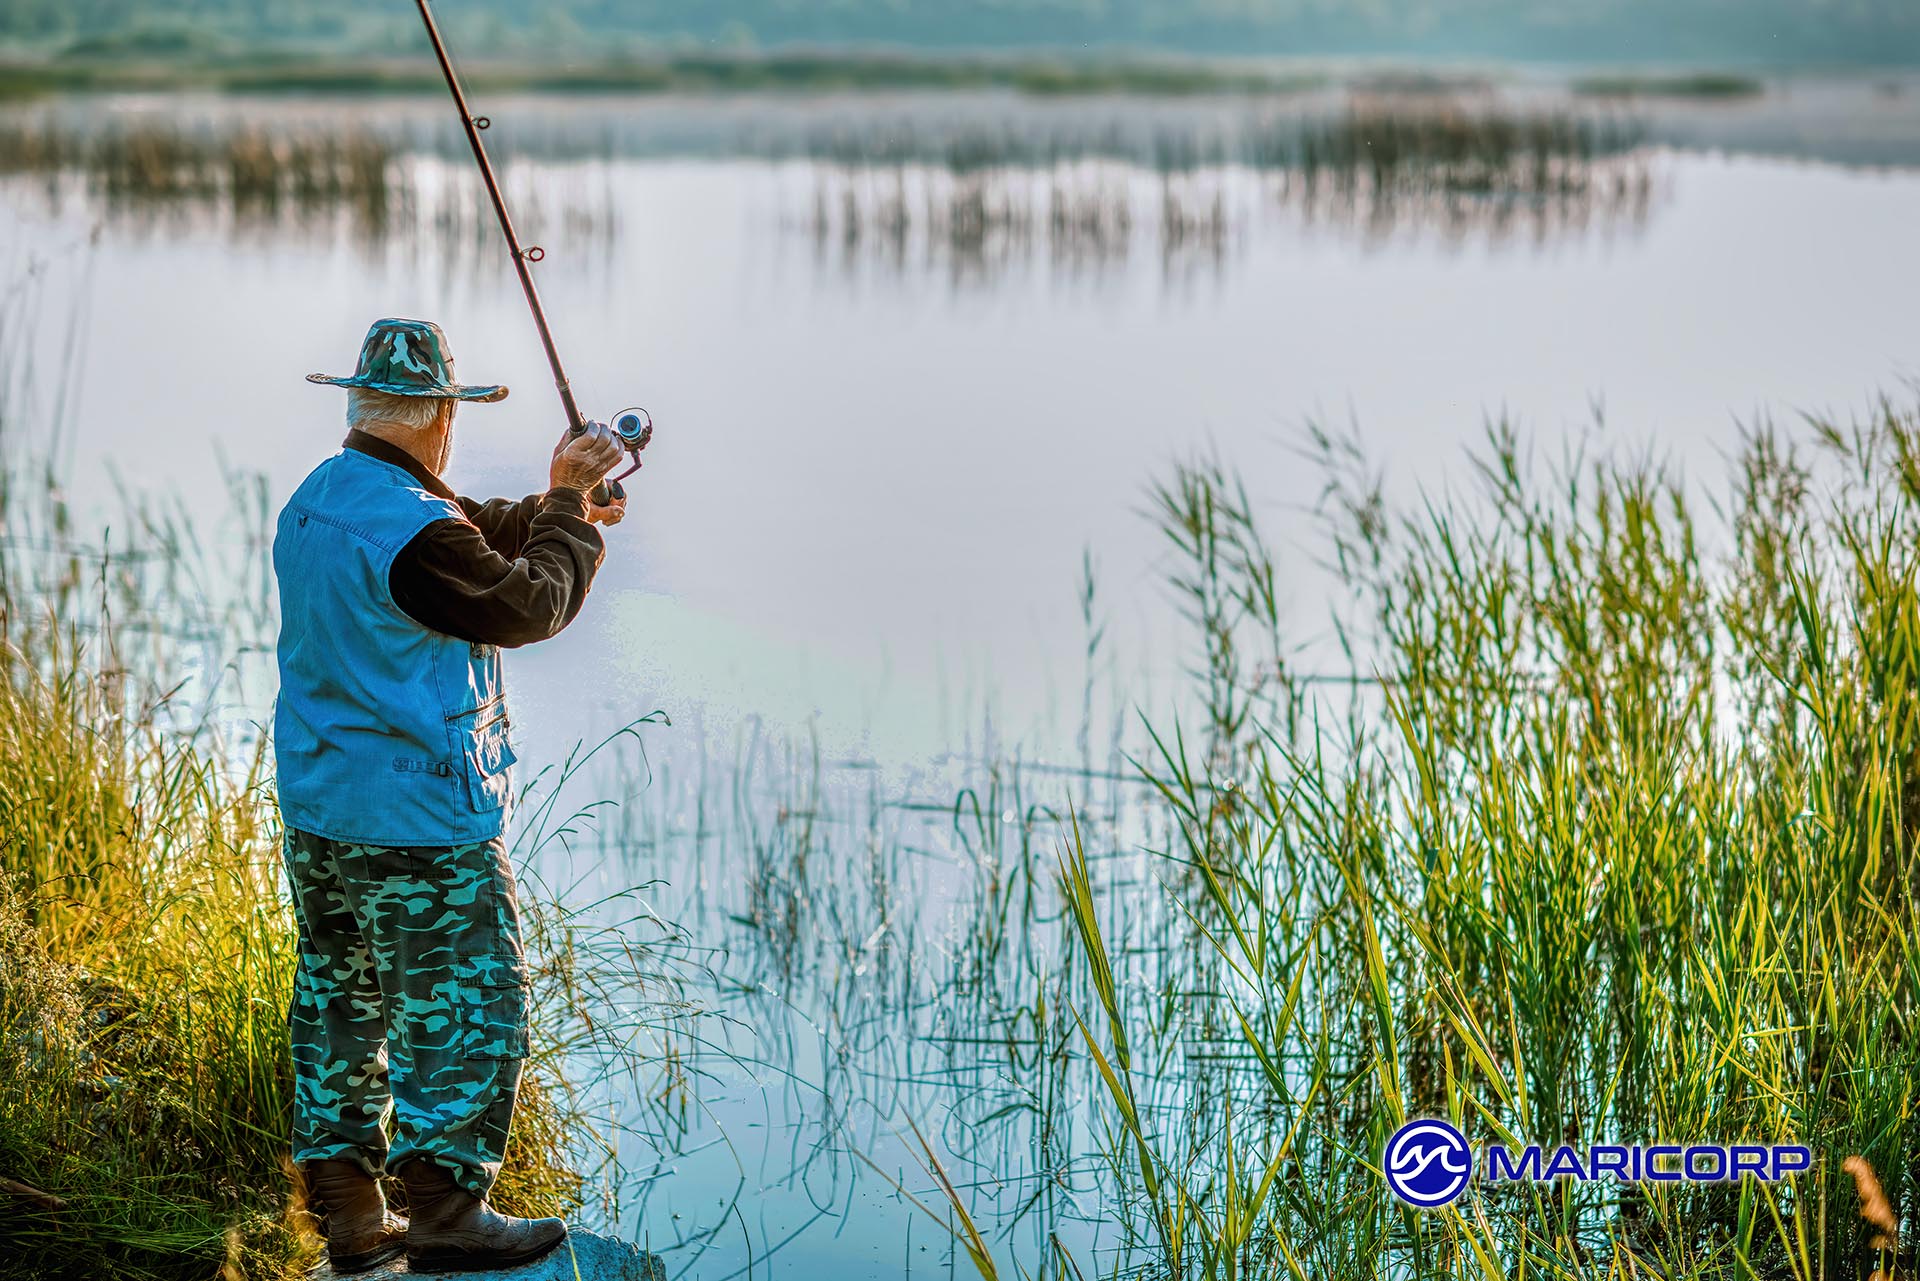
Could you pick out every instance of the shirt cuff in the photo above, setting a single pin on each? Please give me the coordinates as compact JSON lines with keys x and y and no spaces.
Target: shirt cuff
{"x":565,"y":499}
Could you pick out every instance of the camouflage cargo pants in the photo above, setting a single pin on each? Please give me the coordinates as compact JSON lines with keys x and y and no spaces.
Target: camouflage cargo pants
{"x":410,"y":999}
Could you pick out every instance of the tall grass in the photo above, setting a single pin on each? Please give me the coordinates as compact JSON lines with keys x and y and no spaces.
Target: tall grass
{"x":1614,"y":842}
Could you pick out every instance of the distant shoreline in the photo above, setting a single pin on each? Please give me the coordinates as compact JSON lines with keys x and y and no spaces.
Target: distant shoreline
{"x":1036,"y":75}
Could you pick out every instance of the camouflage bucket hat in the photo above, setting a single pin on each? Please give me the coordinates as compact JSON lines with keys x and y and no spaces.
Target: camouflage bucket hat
{"x":408,"y":358}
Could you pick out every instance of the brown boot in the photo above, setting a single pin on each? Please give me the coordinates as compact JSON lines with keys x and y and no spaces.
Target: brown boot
{"x":360,"y":1232}
{"x":454,"y":1230}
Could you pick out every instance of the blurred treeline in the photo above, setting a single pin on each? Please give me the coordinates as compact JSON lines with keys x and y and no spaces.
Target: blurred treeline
{"x":1746,"y":32}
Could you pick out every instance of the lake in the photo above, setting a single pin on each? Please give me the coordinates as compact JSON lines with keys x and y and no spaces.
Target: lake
{"x":915,"y":363}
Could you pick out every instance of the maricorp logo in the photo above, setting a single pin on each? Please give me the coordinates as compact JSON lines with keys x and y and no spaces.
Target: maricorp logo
{"x":1428,"y":1163}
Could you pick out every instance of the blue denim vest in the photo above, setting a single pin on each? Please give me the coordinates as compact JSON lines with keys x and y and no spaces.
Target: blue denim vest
{"x":386,"y":732}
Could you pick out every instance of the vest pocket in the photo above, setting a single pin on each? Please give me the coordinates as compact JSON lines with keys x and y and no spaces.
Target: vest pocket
{"x":493,"y":1009}
{"x":488,"y":756}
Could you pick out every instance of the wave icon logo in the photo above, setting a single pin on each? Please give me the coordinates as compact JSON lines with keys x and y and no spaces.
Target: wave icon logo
{"x":1427,"y":1163}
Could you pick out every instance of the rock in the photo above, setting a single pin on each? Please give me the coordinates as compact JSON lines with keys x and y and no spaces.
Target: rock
{"x":595,"y":1257}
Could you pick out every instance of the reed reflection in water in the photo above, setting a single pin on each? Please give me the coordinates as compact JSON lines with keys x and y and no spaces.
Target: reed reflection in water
{"x":1386,"y":168}
{"x":970,"y":202}
{"x":157,"y":177}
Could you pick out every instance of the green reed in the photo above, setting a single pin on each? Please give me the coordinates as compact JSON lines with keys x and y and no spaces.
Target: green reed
{"x":1613,"y":841}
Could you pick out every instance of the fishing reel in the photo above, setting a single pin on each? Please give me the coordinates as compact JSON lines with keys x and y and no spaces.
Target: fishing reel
{"x":633,"y":428}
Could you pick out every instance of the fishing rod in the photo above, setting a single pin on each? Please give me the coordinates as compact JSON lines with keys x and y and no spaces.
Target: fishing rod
{"x":633,"y":427}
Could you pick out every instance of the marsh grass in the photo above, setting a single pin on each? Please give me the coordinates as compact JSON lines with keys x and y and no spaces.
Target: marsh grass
{"x":1614,"y":843}
{"x":1709,"y":85}
{"x":1383,"y":164}
{"x":1390,"y":165}
{"x":257,"y":176}
{"x":1083,"y":191}
{"x":370,"y":187}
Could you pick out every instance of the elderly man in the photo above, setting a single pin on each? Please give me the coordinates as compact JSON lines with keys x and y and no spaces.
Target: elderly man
{"x":391,"y":741}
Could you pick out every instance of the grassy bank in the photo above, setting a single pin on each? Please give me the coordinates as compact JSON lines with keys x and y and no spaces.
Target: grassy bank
{"x":146,"y":960}
{"x":146,"y":950}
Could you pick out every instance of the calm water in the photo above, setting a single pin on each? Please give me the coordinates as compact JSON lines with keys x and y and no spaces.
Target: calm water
{"x":888,"y":440}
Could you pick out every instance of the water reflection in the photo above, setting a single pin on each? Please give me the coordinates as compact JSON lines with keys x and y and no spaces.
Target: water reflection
{"x":884,"y":958}
{"x":1386,"y":170}
{"x":893,"y":193}
{"x":973,"y":225}
{"x":974,"y":206}
{"x":151,"y":178}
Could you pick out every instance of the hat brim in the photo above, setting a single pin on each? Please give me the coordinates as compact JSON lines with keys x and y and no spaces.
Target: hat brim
{"x":444,"y":391}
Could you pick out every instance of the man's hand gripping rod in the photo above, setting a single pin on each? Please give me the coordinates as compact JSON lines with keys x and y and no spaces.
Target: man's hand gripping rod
{"x":633,"y":427}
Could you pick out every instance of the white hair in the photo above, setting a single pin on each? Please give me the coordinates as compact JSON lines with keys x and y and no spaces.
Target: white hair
{"x":367,"y":407}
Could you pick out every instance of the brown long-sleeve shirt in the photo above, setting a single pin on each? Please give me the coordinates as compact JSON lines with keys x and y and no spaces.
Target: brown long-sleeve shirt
{"x":511,"y":573}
